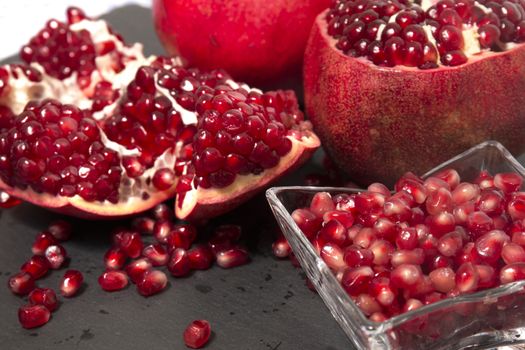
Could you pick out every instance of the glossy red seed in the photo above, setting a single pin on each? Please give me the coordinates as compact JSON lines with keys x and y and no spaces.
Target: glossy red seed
{"x":512,"y":253}
{"x":181,"y":236}
{"x":22,"y":283}
{"x":508,"y":182}
{"x":443,"y":279}
{"x":60,"y":229}
{"x":321,"y":203}
{"x":179,"y":263}
{"x":488,"y":247}
{"x":333,"y":256}
{"x":367,"y":304}
{"x":356,"y":280}
{"x":37,"y":266}
{"x":114,"y":259}
{"x":382,"y":290}
{"x":439,"y":201}
{"x":33,"y":316}
{"x":307,"y":221}
{"x":487,"y":276}
{"x":112,"y":281}
{"x":45,"y":297}
{"x":281,"y":248}
{"x":450,"y":176}
{"x":156,"y":253}
{"x":197,"y":334}
{"x":479,"y":223}
{"x":152,"y":282}
{"x":355,"y":256}
{"x":382,"y":251}
{"x":42,"y":241}
{"x":143,"y":225}
{"x":512,"y":272}
{"x":467,"y":278}
{"x":232,"y":258}
{"x":137,"y":268}
{"x":333,"y":231}
{"x":450,"y":244}
{"x":56,"y":256}
{"x":131,"y":244}
{"x":71,"y":283}
{"x":414,"y":257}
{"x":161,"y":230}
{"x":406,"y":275}
{"x":201,"y":257}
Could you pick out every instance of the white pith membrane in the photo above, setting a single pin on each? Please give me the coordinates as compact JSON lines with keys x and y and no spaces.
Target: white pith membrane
{"x":472,"y":48}
{"x":135,"y":194}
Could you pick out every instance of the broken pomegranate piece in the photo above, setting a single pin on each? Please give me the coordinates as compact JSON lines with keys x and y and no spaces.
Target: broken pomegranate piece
{"x":389,"y":263}
{"x":90,"y":127}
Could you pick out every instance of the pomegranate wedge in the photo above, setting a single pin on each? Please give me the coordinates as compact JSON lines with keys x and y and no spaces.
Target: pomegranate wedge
{"x":92,"y":128}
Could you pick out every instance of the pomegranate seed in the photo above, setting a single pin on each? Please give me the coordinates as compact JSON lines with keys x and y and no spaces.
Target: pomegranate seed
{"x":397,"y":210}
{"x":162,"y":212}
{"x":479,"y":223}
{"x":130,"y":243}
{"x":333,"y":231}
{"x":162,"y":230}
{"x":37,"y":267}
{"x":201,"y":257}
{"x":512,"y":253}
{"x":384,"y":228}
{"x":467,"y":278}
{"x":33,"y":316}
{"x":156,"y":253}
{"x":450,"y":176}
{"x":439,"y":201}
{"x":516,"y":208}
{"x":441,"y":223}
{"x":512,"y":272}
{"x":152,"y":282}
{"x":345,"y":218}
{"x":42,"y":241}
{"x":137,"y":268}
{"x":491,"y":202}
{"x":490,"y":245}
{"x":181,"y":236}
{"x":367,"y":304}
{"x":112,"y":281}
{"x":443,"y":279}
{"x":365,"y":237}
{"x":366,"y":202}
{"x":487,"y":276}
{"x":281,"y":248}
{"x":60,"y":229}
{"x":333,"y":256}
{"x":382,"y":290}
{"x":432,"y":184}
{"x":465,"y":192}
{"x":179,"y":263}
{"x":321,"y":203}
{"x":71,"y":283}
{"x":22,"y":283}
{"x":450,"y":244}
{"x":45,"y":297}
{"x":56,"y":256}
{"x":508,"y":182}
{"x":379,"y":188}
{"x":414,"y":186}
{"x":144,"y":225}
{"x":382,"y":251}
{"x":356,"y":280}
{"x":355,"y":256}
{"x":114,"y":259}
{"x":413,"y":257}
{"x":462,"y":211}
{"x":407,"y":238}
{"x":378,"y":317}
{"x":406,"y":275}
{"x":197,"y":334}
{"x":232,"y":258}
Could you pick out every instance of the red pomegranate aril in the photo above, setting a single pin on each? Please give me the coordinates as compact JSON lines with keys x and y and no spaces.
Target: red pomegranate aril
{"x":385,"y":228}
{"x":366,"y":202}
{"x":407,"y":238}
{"x":356,"y":280}
{"x":382,"y":290}
{"x":450,"y":176}
{"x":163,"y":179}
{"x":413,"y":257}
{"x":144,"y":225}
{"x":450,"y":244}
{"x":42,"y":241}
{"x":22,"y":283}
{"x":512,"y":272}
{"x":201,"y":257}
{"x":333,"y":256}
{"x":491,"y":202}
{"x":355,"y":256}
{"x":382,"y":251}
{"x":130,"y":243}
{"x":367,"y":304}
{"x":512,"y":253}
{"x":232,"y":258}
{"x":60,"y":229}
{"x":156,"y":253}
{"x":114,"y":259}
{"x":443,"y":279}
{"x":487,"y":276}
{"x":161,"y":230}
{"x":307,"y":221}
{"x":379,"y":188}
{"x":281,"y":248}
{"x":478,"y":223}
{"x":56,"y":256}
{"x":489,"y":246}
{"x":406,"y":275}
{"x":397,"y":210}
{"x":112,"y":281}
{"x":162,"y":212}
{"x":71,"y":283}
{"x":364,"y":237}
{"x":181,"y":236}
{"x":467,"y":278}
{"x":179,"y":263}
{"x":516,"y":208}
{"x":137,"y":268}
{"x":441,"y":223}
{"x":33,"y":316}
{"x":37,"y":267}
{"x":45,"y":297}
{"x":321,"y":203}
{"x":152,"y":282}
{"x":334,"y":232}
{"x":197,"y":334}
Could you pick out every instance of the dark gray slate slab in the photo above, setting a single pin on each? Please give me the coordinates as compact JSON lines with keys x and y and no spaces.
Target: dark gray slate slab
{"x":262,"y":306}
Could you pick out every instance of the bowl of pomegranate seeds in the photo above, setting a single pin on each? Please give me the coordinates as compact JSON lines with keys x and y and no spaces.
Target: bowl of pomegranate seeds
{"x":436,"y":263}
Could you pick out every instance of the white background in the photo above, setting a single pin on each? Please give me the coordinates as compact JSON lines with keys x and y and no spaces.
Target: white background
{"x":21,"y":19}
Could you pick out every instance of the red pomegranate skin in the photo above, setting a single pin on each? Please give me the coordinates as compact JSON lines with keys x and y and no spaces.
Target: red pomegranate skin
{"x":256,"y":41}
{"x":378,"y":123}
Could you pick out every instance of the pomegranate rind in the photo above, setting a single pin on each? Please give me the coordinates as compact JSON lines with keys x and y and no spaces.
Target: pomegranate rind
{"x":78,"y":207}
{"x":379,"y":122}
{"x":200,"y":203}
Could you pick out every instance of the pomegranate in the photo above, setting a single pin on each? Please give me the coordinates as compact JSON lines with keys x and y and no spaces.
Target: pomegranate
{"x":90,"y":127}
{"x":388,"y":263}
{"x":32,"y":316}
{"x":197,"y":334}
{"x":207,"y":34}
{"x":383,"y":79}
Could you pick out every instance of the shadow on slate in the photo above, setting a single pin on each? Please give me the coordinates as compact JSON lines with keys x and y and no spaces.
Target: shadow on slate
{"x":261,"y":306}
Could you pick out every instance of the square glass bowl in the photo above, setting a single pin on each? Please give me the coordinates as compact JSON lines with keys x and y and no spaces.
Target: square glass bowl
{"x":487,"y":319}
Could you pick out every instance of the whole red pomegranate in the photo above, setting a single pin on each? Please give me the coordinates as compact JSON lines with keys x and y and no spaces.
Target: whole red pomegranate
{"x":91,"y":127}
{"x":254,"y":40}
{"x":393,"y":86}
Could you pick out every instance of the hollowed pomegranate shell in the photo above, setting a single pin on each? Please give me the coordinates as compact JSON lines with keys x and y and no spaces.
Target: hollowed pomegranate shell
{"x":379,"y":122}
